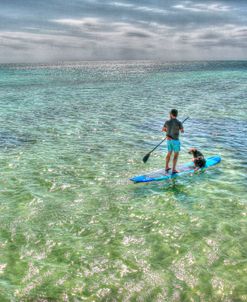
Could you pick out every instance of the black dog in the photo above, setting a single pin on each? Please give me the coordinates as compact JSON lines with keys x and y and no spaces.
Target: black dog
{"x":198,"y":158}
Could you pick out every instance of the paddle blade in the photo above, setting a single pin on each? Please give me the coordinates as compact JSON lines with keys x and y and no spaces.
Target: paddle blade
{"x":146,"y":157}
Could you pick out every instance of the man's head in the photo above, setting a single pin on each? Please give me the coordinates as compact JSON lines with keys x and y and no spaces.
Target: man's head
{"x":174,"y":113}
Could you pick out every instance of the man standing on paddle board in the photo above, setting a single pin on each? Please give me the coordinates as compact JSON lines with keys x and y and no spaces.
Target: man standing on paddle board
{"x":172,"y":128}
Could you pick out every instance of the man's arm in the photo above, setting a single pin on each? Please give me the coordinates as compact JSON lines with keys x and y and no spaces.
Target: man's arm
{"x":164,"y":129}
{"x":181,"y":128}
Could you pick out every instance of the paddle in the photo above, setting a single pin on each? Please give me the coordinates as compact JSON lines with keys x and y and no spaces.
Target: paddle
{"x":146,"y":157}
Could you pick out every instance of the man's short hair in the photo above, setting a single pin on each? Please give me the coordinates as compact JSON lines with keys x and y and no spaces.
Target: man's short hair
{"x":174,"y":112}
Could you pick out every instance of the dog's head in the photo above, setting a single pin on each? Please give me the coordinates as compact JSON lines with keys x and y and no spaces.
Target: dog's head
{"x":192,"y":151}
{"x":196,"y":153}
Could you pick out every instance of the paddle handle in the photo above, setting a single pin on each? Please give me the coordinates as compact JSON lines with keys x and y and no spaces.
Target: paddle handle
{"x":185,"y":119}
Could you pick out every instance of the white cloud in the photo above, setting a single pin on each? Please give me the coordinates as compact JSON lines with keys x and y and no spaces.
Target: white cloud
{"x":94,"y":38}
{"x":100,"y":27}
{"x":145,"y":9}
{"x":199,"y":7}
{"x":121,"y":4}
{"x":121,"y":29}
{"x":78,"y":22}
{"x":215,"y":37}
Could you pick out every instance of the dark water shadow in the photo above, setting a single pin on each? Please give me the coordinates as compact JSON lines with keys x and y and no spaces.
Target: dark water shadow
{"x":11,"y":140}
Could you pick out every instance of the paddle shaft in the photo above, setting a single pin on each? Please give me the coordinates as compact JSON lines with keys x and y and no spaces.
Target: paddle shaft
{"x":157,"y":145}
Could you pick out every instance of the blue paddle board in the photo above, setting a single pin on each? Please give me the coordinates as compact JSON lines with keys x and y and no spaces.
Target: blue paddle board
{"x":187,"y":168}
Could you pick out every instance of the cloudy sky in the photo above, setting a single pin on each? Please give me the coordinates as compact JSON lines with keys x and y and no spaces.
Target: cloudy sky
{"x":58,"y":30}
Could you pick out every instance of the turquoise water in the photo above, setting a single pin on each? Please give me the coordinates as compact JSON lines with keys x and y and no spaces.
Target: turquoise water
{"x":74,"y":228}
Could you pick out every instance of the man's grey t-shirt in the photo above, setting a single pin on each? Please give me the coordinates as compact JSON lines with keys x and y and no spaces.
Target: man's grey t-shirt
{"x":173,"y":126}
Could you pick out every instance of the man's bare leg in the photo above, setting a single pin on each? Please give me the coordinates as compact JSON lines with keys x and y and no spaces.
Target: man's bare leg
{"x":175,"y":159}
{"x":168,"y":157}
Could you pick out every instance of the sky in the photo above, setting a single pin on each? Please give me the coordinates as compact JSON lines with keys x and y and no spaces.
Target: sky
{"x":59,"y":30}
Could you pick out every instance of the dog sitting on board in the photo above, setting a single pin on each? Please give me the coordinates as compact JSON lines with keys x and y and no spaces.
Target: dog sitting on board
{"x":198,"y":158}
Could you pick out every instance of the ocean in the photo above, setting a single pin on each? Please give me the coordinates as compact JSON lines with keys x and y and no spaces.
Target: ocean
{"x":74,"y":228}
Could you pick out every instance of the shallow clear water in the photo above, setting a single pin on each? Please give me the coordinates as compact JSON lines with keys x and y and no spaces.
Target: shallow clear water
{"x":74,"y":228}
